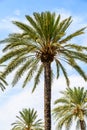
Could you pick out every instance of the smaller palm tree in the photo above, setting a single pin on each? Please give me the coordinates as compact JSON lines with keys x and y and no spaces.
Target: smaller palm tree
{"x":72,"y":106}
{"x":27,"y":121}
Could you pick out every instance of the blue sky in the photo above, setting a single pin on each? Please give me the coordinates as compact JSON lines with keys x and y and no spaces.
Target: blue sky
{"x":14,"y":99}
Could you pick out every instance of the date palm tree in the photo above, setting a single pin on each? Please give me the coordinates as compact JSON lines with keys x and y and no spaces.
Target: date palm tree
{"x":43,"y":40}
{"x":71,"y":107}
{"x":28,"y":121}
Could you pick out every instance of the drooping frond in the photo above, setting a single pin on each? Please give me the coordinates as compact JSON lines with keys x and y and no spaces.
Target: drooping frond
{"x":37,"y":77}
{"x":3,"y":82}
{"x":57,"y":67}
{"x":28,"y":65}
{"x":78,"y":69}
{"x":75,"y":55}
{"x":68,"y":124}
{"x":63,"y":120}
{"x":65,"y":73}
{"x":14,"y":64}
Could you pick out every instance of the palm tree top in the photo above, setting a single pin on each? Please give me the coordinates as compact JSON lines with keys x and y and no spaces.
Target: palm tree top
{"x":71,"y":106}
{"x":28,"y":120}
{"x":43,"y":40}
{"x":75,"y":95}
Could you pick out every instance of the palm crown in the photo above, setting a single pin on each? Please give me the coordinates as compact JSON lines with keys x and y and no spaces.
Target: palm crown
{"x":71,"y":106}
{"x":27,"y":121}
{"x":42,"y":40}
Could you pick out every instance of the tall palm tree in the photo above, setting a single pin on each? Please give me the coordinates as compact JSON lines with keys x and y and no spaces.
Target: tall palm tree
{"x":43,"y":40}
{"x":27,"y":121}
{"x":70,"y":107}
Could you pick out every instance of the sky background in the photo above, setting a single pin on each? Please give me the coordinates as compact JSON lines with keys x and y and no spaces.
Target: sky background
{"x":13,"y":100}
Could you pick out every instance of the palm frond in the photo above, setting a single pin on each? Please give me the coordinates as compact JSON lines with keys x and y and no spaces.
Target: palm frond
{"x":78,"y":69}
{"x":61,"y":100}
{"x":65,"y":73}
{"x":68,"y":124}
{"x":37,"y":27}
{"x":63,"y":120}
{"x":29,"y":64}
{"x":14,"y":64}
{"x":57,"y":67}
{"x":3,"y":83}
{"x":76,"y":47}
{"x":62,"y":28}
{"x":12,"y":54}
{"x":37,"y":78}
{"x":77,"y":33}
{"x":29,"y":75}
{"x":26,"y":28}
{"x":75,"y":55}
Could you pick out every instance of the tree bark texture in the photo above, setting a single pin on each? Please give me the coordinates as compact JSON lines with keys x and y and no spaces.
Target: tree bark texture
{"x":83,"y":125}
{"x":47,"y":95}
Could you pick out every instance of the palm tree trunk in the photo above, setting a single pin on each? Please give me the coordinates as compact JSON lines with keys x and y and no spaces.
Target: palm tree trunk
{"x":47,"y":95}
{"x":82,"y":125}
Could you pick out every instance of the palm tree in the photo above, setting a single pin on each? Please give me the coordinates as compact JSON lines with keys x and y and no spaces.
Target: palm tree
{"x":27,"y":121}
{"x":70,"y":107}
{"x":42,"y":41}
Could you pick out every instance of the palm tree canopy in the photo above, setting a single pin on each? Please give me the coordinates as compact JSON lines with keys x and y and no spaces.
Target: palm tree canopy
{"x":27,"y":121}
{"x":43,"y":39}
{"x":71,"y":106}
